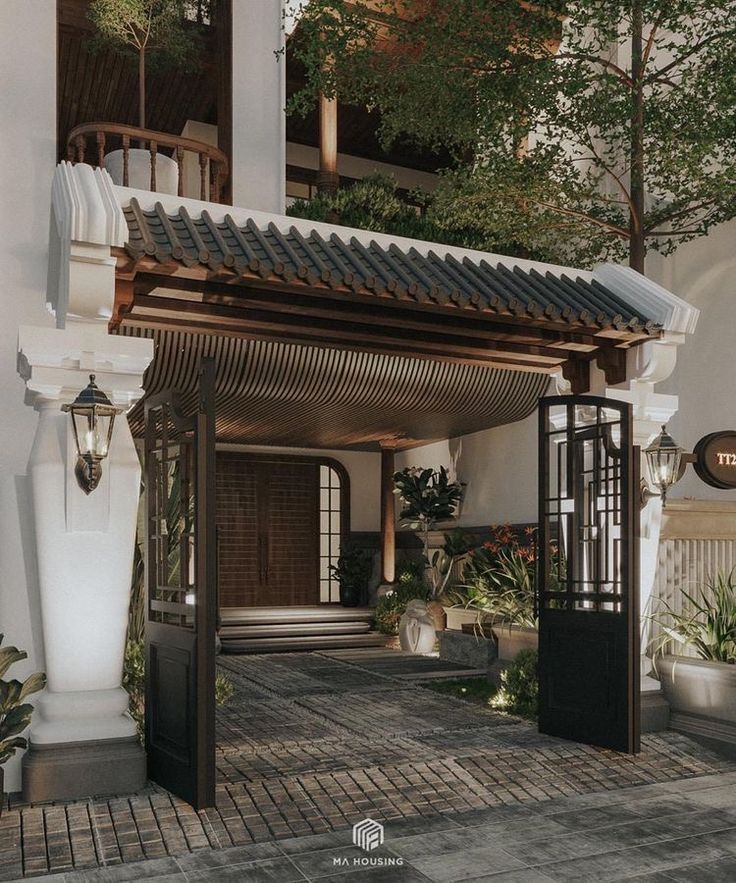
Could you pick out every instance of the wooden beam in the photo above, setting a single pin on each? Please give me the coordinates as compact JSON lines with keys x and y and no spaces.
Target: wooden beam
{"x":577,"y":373}
{"x":388,"y":514}
{"x":196,"y":317}
{"x":612,"y":362}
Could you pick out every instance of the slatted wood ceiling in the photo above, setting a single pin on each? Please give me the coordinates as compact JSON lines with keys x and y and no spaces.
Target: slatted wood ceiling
{"x":295,"y":395}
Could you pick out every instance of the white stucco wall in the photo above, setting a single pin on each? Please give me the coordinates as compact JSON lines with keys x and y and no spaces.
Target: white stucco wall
{"x":27,"y":161}
{"x":364,"y":469}
{"x":703,"y":272}
{"x":499,"y":466}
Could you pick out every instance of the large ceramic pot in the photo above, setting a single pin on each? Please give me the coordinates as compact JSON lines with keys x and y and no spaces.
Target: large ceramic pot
{"x":512,"y":639}
{"x":699,"y":687}
{"x":416,"y":629}
{"x":139,"y":170}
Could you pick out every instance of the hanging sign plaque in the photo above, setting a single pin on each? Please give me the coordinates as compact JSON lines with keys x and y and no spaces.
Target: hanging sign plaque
{"x":715,"y":459}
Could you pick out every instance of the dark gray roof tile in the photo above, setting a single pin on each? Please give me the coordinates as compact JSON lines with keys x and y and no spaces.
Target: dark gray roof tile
{"x":409,"y":275}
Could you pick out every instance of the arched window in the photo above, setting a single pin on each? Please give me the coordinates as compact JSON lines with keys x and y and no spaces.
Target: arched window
{"x":333,"y":517}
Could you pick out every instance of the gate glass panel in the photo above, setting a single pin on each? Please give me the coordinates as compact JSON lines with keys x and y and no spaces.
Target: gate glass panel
{"x":587,"y":580}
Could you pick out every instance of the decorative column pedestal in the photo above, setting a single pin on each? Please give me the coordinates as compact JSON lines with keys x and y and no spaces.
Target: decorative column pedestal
{"x":83,"y":742}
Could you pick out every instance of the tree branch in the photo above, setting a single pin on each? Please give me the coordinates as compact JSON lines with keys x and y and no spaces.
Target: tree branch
{"x":657,"y":75}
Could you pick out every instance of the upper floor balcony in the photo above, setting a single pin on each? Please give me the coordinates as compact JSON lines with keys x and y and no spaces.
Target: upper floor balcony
{"x":149,"y":160}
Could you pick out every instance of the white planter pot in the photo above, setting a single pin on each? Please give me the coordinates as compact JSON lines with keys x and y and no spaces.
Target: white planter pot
{"x":457,"y":617}
{"x":139,"y":170}
{"x":416,"y":629}
{"x":512,"y":639}
{"x":697,"y":686}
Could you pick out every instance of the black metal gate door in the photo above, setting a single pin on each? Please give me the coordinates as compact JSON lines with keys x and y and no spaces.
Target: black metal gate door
{"x":588,"y":574}
{"x":181,"y":593}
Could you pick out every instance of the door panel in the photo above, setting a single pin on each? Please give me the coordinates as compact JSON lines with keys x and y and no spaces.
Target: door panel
{"x":267,"y":515}
{"x":237,"y":524}
{"x":181,"y":593}
{"x":292,"y":539}
{"x":587,"y":580}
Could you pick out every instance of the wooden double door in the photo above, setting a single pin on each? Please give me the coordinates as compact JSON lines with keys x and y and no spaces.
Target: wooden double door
{"x":267,"y":531}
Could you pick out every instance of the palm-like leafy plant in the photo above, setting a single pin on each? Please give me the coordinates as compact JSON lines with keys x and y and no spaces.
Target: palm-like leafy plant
{"x":15,"y":714}
{"x":706,"y":624}
{"x":428,"y":496}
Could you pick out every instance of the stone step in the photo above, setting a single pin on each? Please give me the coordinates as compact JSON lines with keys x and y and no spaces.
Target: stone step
{"x":302,"y":642}
{"x":231,"y":616}
{"x":285,"y":629}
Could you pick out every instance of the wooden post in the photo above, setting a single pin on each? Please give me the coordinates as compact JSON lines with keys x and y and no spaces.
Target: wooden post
{"x":328,"y":179}
{"x":388,"y":517}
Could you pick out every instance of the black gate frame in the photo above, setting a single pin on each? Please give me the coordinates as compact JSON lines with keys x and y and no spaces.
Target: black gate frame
{"x":589,"y":638}
{"x":181,"y":631}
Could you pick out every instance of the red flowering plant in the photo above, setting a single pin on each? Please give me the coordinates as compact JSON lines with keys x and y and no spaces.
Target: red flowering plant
{"x":500,"y":578}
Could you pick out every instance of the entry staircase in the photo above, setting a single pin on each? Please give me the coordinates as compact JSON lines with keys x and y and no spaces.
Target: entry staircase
{"x":323,"y":627}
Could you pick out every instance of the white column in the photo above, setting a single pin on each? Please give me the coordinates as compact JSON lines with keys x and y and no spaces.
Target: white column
{"x":82,"y":740}
{"x":650,"y":364}
{"x":259,"y":97}
{"x":84,"y":543}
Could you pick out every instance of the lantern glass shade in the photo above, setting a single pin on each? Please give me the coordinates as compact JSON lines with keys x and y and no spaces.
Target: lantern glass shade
{"x":664,"y":457}
{"x":93,"y":418}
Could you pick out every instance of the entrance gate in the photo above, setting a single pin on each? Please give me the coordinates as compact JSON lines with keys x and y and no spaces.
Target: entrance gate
{"x":181,"y":592}
{"x":587,"y":579}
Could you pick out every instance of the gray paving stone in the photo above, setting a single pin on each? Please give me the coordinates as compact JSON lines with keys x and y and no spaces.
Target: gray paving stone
{"x":270,"y":870}
{"x":312,"y":743}
{"x":524,"y":875}
{"x":466,"y":864}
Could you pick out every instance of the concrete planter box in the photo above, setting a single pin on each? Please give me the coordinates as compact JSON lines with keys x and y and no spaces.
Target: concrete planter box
{"x":702,"y":697}
{"x":512,"y":639}
{"x":457,"y":617}
{"x":474,"y":651}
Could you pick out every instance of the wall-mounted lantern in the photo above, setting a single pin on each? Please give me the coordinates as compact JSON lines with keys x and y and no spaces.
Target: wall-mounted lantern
{"x":714,"y":460}
{"x":93,"y":417}
{"x":664,"y":457}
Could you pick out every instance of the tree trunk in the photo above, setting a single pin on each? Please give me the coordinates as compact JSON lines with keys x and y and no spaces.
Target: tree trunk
{"x":637,"y":245}
{"x":142,"y":90}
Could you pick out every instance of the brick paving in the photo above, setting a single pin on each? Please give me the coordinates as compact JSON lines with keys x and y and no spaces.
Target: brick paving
{"x":312,"y":743}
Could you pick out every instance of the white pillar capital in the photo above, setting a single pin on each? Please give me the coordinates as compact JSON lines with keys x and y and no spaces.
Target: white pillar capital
{"x":56,"y":363}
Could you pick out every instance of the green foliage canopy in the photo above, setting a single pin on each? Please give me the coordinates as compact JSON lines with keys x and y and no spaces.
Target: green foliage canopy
{"x":593,"y":129}
{"x":142,"y":27}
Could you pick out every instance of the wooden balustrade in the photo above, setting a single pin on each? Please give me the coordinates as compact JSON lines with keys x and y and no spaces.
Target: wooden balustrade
{"x":213,"y":164}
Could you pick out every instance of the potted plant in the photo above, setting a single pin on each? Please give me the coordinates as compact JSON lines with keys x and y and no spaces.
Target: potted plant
{"x":353,"y":571}
{"x":500,"y":586}
{"x":409,"y":586}
{"x":701,"y":689}
{"x":429,"y":497}
{"x":15,"y":714}
{"x":145,"y":29}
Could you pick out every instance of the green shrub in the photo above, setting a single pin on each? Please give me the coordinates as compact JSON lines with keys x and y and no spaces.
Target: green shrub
{"x":409,"y":586}
{"x":519,"y":691}
{"x":15,"y":714}
{"x":134,"y":681}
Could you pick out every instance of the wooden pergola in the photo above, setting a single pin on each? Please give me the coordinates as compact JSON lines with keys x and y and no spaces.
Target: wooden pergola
{"x":327,"y":337}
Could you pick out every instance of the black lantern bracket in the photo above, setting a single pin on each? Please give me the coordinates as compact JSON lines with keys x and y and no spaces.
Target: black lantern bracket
{"x":93,"y":417}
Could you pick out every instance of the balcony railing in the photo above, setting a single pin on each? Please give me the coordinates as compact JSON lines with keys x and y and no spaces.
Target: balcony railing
{"x":211,"y":166}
